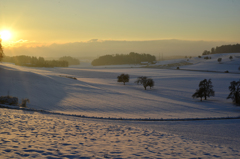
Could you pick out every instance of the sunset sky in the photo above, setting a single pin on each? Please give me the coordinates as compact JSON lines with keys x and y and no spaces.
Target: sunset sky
{"x":36,"y":23}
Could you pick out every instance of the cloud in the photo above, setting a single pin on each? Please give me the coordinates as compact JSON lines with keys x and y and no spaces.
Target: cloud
{"x":96,"y":47}
{"x":93,"y":40}
{"x":22,"y":43}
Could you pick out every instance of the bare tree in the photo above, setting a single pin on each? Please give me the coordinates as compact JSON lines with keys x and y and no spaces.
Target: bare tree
{"x":145,"y":81}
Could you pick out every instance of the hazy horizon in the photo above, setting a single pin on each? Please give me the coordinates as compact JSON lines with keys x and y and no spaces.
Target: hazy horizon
{"x":95,"y":48}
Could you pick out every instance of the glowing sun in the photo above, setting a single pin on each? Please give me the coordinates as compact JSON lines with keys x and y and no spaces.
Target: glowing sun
{"x":5,"y":35}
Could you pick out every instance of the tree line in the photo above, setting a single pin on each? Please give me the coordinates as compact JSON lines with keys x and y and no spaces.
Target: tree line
{"x":223,"y":49}
{"x":142,"y":80}
{"x":70,"y":60}
{"x":205,"y":87}
{"x":32,"y":61}
{"x":120,"y":59}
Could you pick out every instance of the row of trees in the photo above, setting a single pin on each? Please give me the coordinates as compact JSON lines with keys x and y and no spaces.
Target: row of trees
{"x":220,"y":59}
{"x":38,"y":62}
{"x":70,"y":60}
{"x":223,"y":49}
{"x":205,"y":87}
{"x":143,"y":80}
{"x":29,"y":61}
{"x":206,"y":90}
{"x":119,"y":59}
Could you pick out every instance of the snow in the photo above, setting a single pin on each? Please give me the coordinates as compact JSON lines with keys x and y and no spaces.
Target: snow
{"x":213,"y":65}
{"x":97,"y":93}
{"x":36,"y":135}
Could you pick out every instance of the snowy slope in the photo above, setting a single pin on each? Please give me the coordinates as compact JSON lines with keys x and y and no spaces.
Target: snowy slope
{"x":97,"y":93}
{"x":213,"y":65}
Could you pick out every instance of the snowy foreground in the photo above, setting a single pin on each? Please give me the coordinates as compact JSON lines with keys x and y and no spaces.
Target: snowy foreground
{"x":34,"y":135}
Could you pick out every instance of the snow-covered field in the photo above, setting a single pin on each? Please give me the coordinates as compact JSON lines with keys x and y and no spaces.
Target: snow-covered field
{"x":97,"y":93}
{"x":34,"y":135}
{"x":210,"y":64}
{"x":213,"y":65}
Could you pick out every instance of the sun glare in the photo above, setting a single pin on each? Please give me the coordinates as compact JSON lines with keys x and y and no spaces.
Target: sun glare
{"x":5,"y":35}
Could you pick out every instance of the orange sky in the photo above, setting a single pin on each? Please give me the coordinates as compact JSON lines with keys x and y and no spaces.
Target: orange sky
{"x":37,"y":23}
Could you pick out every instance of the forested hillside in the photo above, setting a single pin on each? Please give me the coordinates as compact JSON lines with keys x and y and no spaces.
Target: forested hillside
{"x":34,"y":61}
{"x":223,"y":49}
{"x":119,"y":59}
{"x":70,"y":60}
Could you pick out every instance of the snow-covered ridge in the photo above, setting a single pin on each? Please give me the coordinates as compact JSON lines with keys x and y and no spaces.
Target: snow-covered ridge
{"x":112,"y":118}
{"x":196,"y":63}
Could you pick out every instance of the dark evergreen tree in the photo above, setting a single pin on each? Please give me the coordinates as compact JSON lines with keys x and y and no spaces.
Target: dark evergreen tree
{"x":1,"y":50}
{"x":123,"y":78}
{"x":145,"y":82}
{"x":234,"y":92}
{"x":205,"y":89}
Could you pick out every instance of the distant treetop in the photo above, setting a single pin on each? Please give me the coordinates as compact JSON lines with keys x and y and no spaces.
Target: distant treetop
{"x":223,"y":49}
{"x":70,"y":60}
